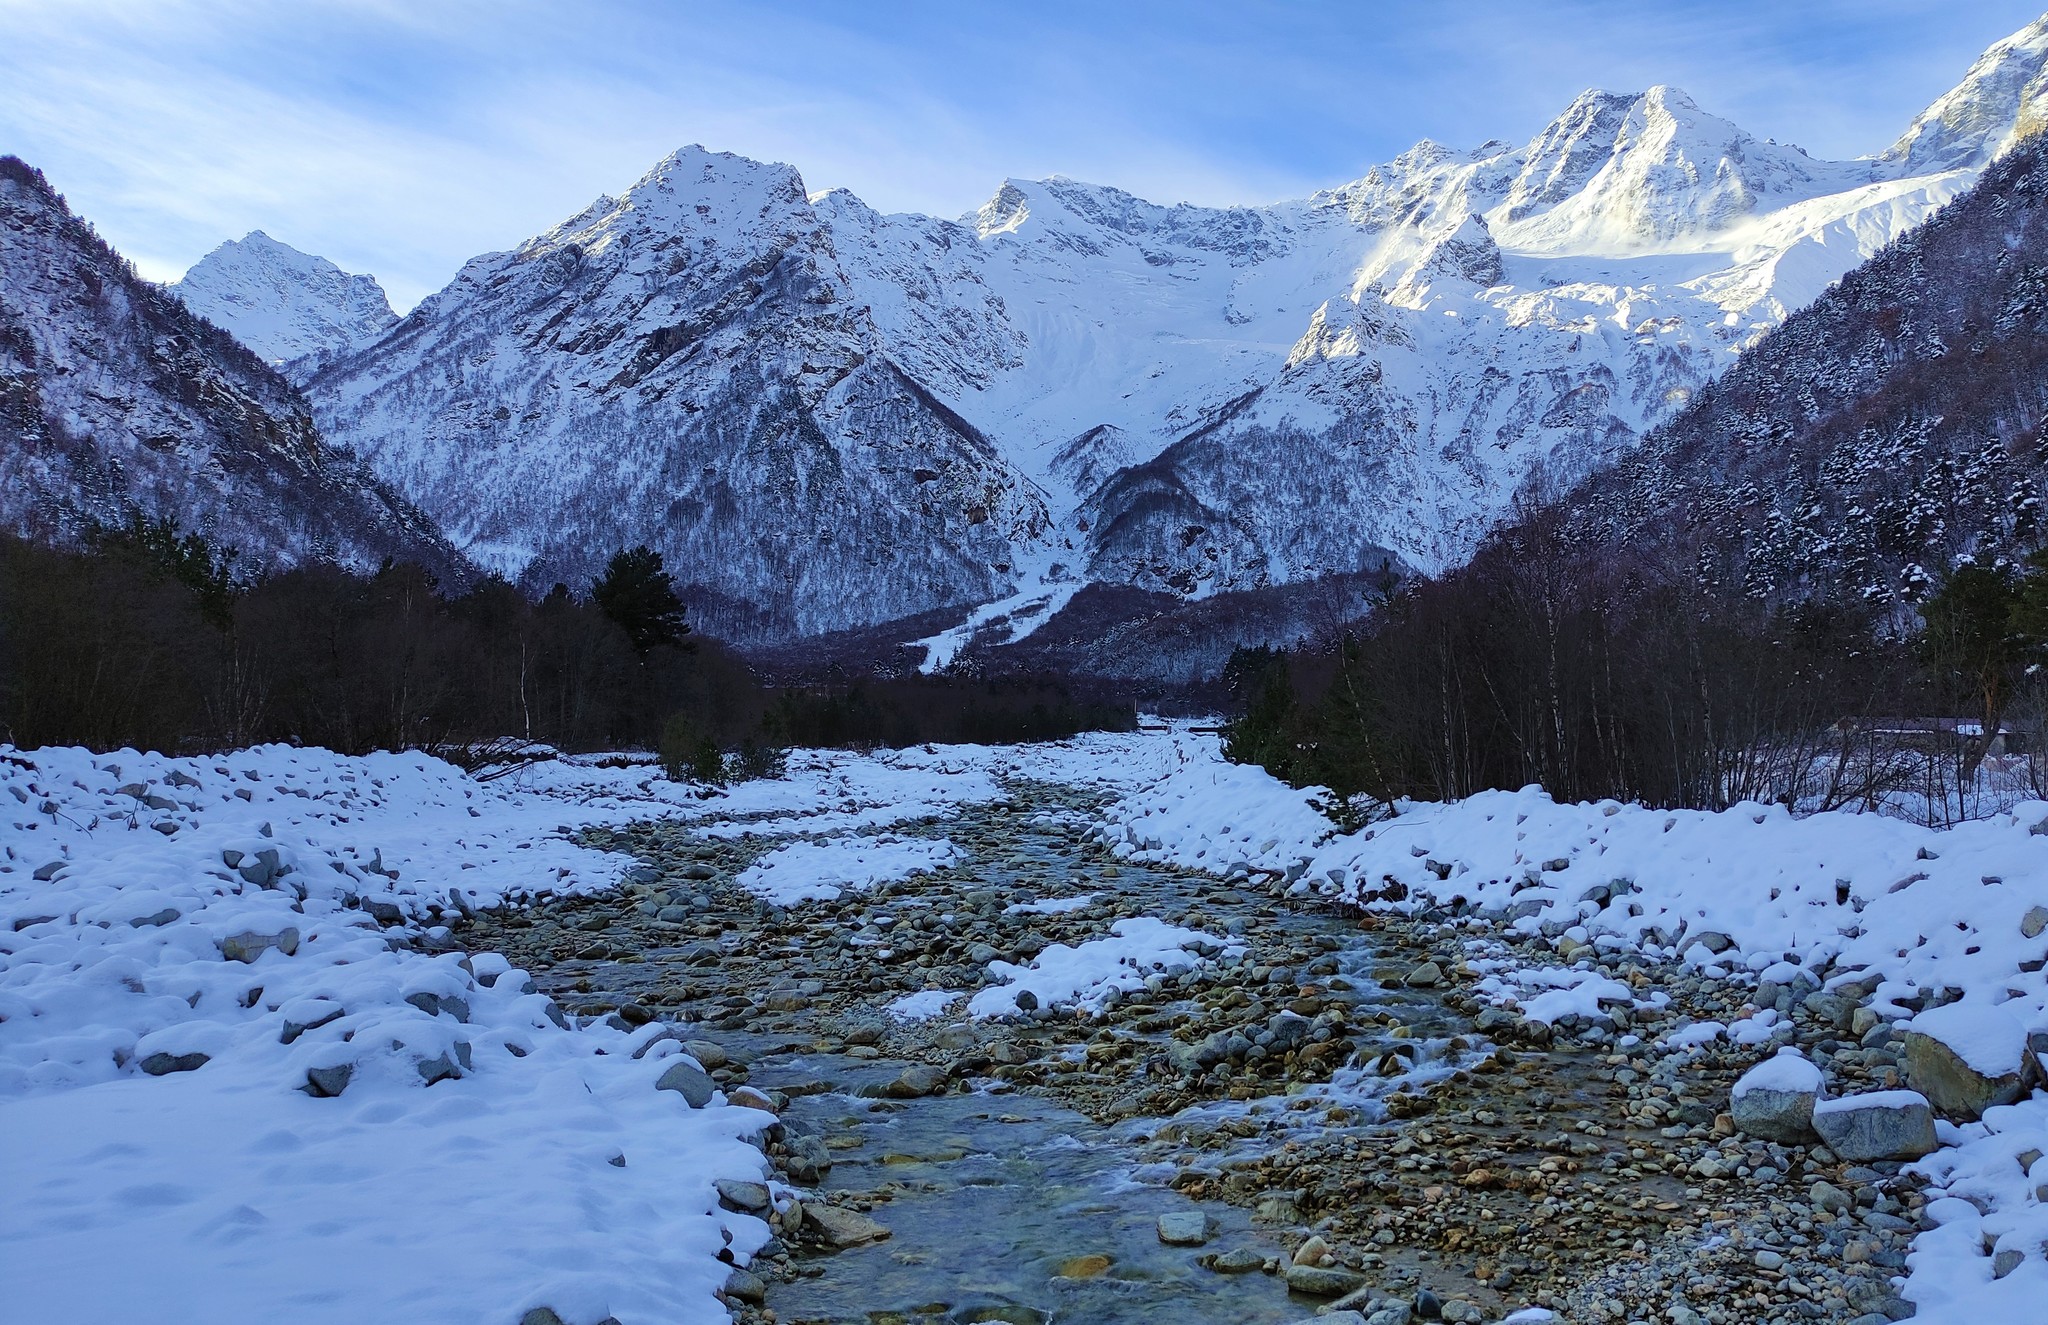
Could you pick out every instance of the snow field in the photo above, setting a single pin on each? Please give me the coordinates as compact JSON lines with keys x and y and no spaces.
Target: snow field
{"x":209,"y":920}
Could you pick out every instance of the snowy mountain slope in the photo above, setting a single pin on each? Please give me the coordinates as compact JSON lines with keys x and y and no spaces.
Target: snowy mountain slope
{"x":1076,"y":381}
{"x":116,"y":400}
{"x":284,"y":304}
{"x":1882,"y":434}
{"x":686,"y":366}
{"x":2003,"y":98}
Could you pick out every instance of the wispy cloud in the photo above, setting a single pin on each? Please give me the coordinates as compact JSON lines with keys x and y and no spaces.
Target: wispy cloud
{"x":403,"y":138}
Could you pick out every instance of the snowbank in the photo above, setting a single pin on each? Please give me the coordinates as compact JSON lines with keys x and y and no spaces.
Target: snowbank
{"x":803,"y":871}
{"x":224,"y":1096}
{"x":1085,"y":975}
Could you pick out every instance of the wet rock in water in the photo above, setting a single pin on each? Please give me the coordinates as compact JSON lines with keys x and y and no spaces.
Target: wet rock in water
{"x":1774,"y":1100}
{"x":1184,"y":1228}
{"x":541,"y":1316}
{"x":808,"y":1160}
{"x":839,"y":1227}
{"x":1238,"y":1260}
{"x":1342,"y":1318}
{"x":1426,"y":976}
{"x":691,"y":1082}
{"x":916,"y":1081}
{"x":1085,"y":1267}
{"x":1888,"y":1124}
{"x":1318,"y":1281}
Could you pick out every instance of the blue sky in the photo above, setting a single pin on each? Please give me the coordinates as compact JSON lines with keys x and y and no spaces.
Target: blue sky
{"x":401,"y":137}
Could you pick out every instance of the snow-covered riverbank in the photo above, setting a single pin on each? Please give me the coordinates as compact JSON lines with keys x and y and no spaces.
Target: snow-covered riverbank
{"x":226,"y":1095}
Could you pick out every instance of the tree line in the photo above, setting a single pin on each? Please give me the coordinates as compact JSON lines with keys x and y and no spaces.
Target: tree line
{"x":1602,"y":671}
{"x":152,"y":638}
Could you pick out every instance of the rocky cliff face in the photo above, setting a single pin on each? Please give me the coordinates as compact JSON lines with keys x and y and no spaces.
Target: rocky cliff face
{"x":116,"y":400}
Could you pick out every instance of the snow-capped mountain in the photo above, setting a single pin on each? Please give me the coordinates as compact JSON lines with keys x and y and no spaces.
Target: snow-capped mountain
{"x":687,"y":366}
{"x":115,"y":400}
{"x":840,"y":416}
{"x":284,"y":304}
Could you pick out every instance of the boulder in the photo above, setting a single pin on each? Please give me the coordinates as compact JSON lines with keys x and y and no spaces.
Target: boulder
{"x":840,"y":1227}
{"x":689,"y":1081}
{"x":1184,"y":1228}
{"x":744,"y":1286}
{"x":917,"y":1081}
{"x":1966,"y":1057}
{"x":1318,"y":1281}
{"x":327,"y":1082}
{"x":160,"y":1064}
{"x":746,"y":1197}
{"x":1885,"y":1124}
{"x":249,"y":945}
{"x":1774,"y":1100}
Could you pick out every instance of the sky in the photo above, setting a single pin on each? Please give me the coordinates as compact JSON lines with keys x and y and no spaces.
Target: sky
{"x":402,"y":137}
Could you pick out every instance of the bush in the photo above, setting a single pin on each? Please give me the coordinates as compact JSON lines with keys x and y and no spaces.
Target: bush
{"x":688,"y":754}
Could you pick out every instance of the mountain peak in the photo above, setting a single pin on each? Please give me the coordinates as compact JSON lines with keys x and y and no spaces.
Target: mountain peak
{"x":283,"y":303}
{"x":2002,"y":99}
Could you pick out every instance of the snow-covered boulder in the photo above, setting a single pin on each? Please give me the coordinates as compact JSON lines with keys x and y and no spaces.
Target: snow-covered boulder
{"x":1775,"y":1099}
{"x":1884,"y":1124}
{"x":1966,"y":1057}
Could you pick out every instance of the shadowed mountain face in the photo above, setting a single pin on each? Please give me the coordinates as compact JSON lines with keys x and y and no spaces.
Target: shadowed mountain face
{"x":117,"y":400}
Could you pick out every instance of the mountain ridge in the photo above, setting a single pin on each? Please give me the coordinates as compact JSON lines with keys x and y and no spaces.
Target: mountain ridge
{"x":1083,"y":384}
{"x":116,"y":400}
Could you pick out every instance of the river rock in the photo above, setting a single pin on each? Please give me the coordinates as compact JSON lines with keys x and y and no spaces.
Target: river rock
{"x":1965,"y":1057}
{"x":808,"y":1160}
{"x":2034,"y":922}
{"x":1426,"y":976}
{"x":1886,"y":1124}
{"x":1774,"y":1100}
{"x":1184,"y":1228}
{"x":690,"y":1081}
{"x":1318,"y":1281}
{"x":746,"y":1097}
{"x":917,"y":1081}
{"x":1085,"y":1267}
{"x":710,"y":1055}
{"x":1238,"y":1260}
{"x":743,"y":1286}
{"x":747,"y":1197}
{"x":840,"y":1227}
